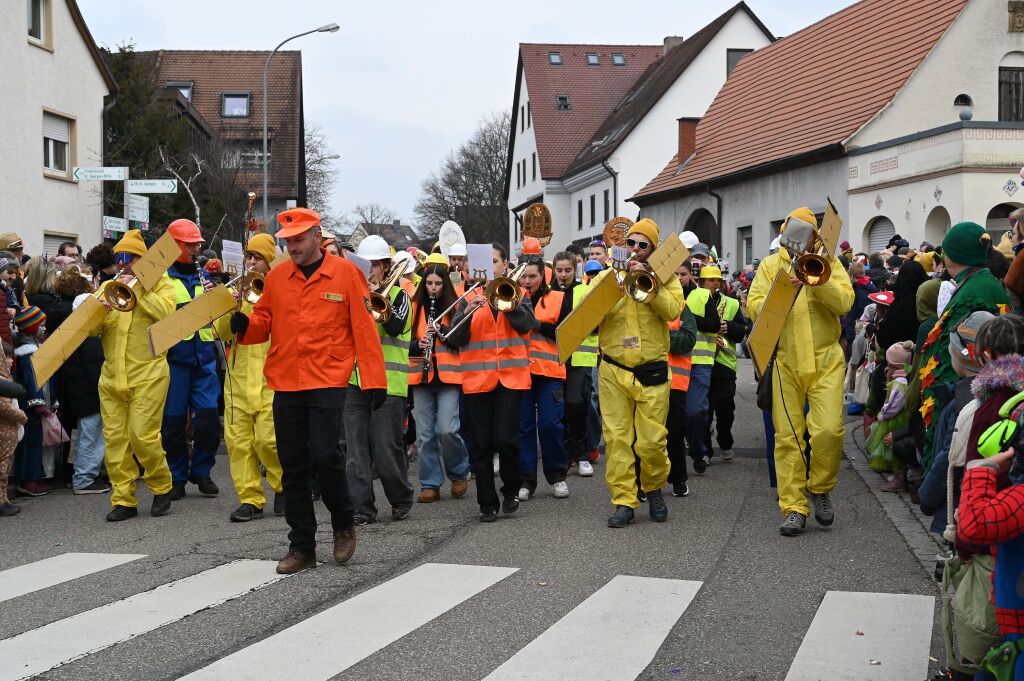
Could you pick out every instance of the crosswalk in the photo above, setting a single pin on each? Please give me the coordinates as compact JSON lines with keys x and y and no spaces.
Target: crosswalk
{"x":853,"y":636}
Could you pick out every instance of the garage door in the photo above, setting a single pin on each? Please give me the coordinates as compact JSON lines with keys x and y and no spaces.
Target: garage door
{"x":51,"y":242}
{"x":881,"y":231}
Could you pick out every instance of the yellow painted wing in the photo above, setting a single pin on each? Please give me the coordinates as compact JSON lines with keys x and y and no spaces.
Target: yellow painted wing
{"x":186,"y":320}
{"x":831,"y":226}
{"x":60,"y":345}
{"x":667,"y":257}
{"x":579,"y":323}
{"x":768,"y":327}
{"x":158,"y":258}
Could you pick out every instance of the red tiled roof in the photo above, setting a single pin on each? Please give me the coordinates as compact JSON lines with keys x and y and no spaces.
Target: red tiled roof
{"x":593,"y":93}
{"x":811,"y":90}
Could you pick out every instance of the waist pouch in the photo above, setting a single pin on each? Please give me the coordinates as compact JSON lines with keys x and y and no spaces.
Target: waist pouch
{"x":652,"y":373}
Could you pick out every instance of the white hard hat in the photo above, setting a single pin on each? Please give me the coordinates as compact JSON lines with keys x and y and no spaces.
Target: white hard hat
{"x":689,"y":239}
{"x":374,"y":247}
{"x":775,"y":245}
{"x":405,"y":257}
{"x":457,"y":249}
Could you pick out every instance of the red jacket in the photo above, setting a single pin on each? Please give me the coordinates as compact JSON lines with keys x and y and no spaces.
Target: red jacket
{"x":317,"y":328}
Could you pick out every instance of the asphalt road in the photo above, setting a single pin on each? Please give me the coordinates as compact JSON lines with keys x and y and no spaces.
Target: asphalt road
{"x":758,"y":592}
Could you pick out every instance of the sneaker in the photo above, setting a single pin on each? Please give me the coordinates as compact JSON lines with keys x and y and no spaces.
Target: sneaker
{"x":524,"y":494}
{"x":656,"y":506}
{"x":279,"y":503}
{"x":623,"y":516}
{"x":206,"y":485}
{"x":679,"y":489}
{"x":177,"y":491}
{"x":9,"y":509}
{"x":586,"y":469}
{"x":363,"y":520}
{"x":560,"y":490}
{"x":793,"y":525}
{"x":399,"y":513}
{"x":510,"y":506}
{"x":707,"y":460}
{"x":727,"y":455}
{"x":245,"y":513}
{"x":34,"y":488}
{"x":823,"y":511}
{"x":488,"y":516}
{"x":497,"y":464}
{"x":700,"y":466}
{"x":95,"y":487}
{"x":119,"y":513}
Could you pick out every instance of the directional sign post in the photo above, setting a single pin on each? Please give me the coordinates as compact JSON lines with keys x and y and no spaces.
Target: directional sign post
{"x":138,"y":208}
{"x":151,"y":186}
{"x":113,"y":227}
{"x":111,"y":173}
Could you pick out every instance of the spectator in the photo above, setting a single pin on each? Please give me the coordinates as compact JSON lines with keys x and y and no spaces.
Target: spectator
{"x":9,"y":269}
{"x":101,"y":259}
{"x":28,"y":458}
{"x":901,"y":322}
{"x":12,"y":421}
{"x":39,"y":277}
{"x":69,"y":249}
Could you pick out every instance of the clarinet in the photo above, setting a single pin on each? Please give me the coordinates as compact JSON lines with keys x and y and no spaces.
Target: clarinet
{"x":428,"y":352}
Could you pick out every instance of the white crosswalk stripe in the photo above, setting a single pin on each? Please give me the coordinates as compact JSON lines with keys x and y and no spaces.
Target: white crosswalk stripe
{"x":330,"y":642}
{"x":866,"y":637}
{"x":624,"y":624}
{"x":43,"y":574}
{"x":41,"y":649}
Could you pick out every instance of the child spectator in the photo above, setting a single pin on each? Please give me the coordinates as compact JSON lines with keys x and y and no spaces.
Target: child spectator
{"x":891,"y":417}
{"x":28,"y":458}
{"x":12,"y":421}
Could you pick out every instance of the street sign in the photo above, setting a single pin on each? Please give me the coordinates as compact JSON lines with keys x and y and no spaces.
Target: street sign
{"x":151,"y":186}
{"x":138,"y":214}
{"x":136,"y":201}
{"x":115,"y":224}
{"x":100,"y":173}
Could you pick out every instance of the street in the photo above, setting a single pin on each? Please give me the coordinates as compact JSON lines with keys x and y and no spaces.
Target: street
{"x":714,"y":593}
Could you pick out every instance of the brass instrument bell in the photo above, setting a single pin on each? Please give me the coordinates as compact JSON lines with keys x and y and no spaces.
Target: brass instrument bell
{"x":811,"y":264}
{"x":119,"y":295}
{"x":380,"y":304}
{"x":641,"y":286}
{"x":504,"y":293}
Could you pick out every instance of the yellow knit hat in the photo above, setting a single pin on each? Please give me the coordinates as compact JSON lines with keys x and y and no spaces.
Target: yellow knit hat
{"x":927,"y":261}
{"x":264,"y":246}
{"x":132,"y":243}
{"x":647,"y":227}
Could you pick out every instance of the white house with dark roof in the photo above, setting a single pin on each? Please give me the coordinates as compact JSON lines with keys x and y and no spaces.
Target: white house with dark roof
{"x":591,"y":123}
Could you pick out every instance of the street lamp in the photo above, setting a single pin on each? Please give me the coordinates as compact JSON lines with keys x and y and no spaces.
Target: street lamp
{"x":329,"y":28}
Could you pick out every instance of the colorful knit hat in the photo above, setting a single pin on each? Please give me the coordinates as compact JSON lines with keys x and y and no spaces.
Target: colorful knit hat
{"x":900,"y":353}
{"x":29,"y":320}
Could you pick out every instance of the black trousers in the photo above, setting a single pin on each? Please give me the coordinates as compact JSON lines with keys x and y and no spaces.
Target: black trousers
{"x":494,"y":423}
{"x":677,"y":436}
{"x":308,"y":425}
{"x":721,"y":409}
{"x":578,"y":394}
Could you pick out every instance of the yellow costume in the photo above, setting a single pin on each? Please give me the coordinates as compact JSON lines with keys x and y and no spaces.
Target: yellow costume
{"x":634,"y":415}
{"x":809,"y":372}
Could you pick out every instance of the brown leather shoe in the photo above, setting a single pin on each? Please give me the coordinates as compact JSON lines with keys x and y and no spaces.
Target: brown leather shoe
{"x":459,"y":488}
{"x":295,"y":561}
{"x":428,"y":495}
{"x":344,"y":544}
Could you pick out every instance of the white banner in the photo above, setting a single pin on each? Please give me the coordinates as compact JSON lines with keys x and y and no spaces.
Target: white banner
{"x":233,"y":256}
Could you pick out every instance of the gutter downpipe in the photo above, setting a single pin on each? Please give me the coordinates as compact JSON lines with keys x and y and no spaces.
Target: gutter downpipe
{"x":615,"y":186}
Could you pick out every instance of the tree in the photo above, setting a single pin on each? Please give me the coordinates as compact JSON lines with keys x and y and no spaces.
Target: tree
{"x":372,"y":216}
{"x":320,"y":176}
{"x":469,"y":186}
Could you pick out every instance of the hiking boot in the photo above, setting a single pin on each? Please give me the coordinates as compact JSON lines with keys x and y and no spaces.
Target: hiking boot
{"x":793,"y":525}
{"x":459,"y":489}
{"x":679,"y":489}
{"x":510,"y":505}
{"x":623,"y":516}
{"x":700,"y":466}
{"x":119,"y":513}
{"x":95,"y":487}
{"x":206,"y":485}
{"x":279,"y":503}
{"x":245,"y":513}
{"x":429,"y":495}
{"x":295,"y":561}
{"x":897,"y":483}
{"x":161,"y":505}
{"x":177,"y":491}
{"x":823,"y":512}
{"x":9,"y":509}
{"x":656,"y":506}
{"x":344,"y":544}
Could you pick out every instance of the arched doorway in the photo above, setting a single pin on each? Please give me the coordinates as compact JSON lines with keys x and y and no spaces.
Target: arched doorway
{"x":877,"y":233}
{"x":997,"y":222}
{"x":702,"y":223}
{"x":936,"y":226}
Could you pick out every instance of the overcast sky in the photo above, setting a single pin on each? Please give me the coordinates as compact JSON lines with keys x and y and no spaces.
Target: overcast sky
{"x":404,"y":82}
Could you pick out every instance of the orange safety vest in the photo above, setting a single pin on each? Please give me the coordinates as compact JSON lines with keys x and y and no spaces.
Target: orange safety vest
{"x":543,"y":351}
{"x":679,"y":364}
{"x":495,"y":353}
{"x":446,"y":360}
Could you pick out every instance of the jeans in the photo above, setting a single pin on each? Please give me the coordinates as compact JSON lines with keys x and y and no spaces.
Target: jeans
{"x":373,"y":442}
{"x":308,"y":425}
{"x":89,"y":449}
{"x":195,"y":389}
{"x":697,"y":410}
{"x":439,"y":449}
{"x":769,"y":447}
{"x":594,"y":416}
{"x":494,"y":421}
{"x":677,"y":436}
{"x":541,"y":412}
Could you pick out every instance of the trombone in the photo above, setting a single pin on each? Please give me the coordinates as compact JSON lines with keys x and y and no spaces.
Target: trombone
{"x":380,"y":304}
{"x":429,"y":352}
{"x":640,"y":285}
{"x":119,"y":295}
{"x":503,"y":294}
{"x":811,"y":266}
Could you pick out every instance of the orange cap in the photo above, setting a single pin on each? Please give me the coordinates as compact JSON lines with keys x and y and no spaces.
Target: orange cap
{"x":531,"y":246}
{"x":296,"y":221}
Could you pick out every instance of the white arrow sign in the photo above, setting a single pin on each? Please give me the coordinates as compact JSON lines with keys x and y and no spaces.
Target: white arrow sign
{"x":138,"y":214}
{"x":136,"y":201}
{"x":99,"y":173}
{"x":151,"y":186}
{"x":115,"y":224}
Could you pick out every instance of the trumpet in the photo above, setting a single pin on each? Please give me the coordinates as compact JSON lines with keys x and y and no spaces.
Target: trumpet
{"x":119,"y":295}
{"x":380,"y":303}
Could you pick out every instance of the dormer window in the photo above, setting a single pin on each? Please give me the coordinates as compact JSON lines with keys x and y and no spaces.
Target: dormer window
{"x":185,"y":88}
{"x":618,"y":59}
{"x":593,"y":59}
{"x":563,"y":102}
{"x":555,"y":58}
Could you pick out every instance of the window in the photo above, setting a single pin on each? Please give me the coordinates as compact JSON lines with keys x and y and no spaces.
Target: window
{"x":246,"y":155}
{"x":593,"y":213}
{"x":534,"y":162}
{"x":745,"y":245}
{"x":37,"y":18}
{"x":606,"y":206}
{"x":522,"y":119}
{"x":184,"y":88}
{"x":519,"y":181}
{"x":1011,"y":94}
{"x":56,"y":143}
{"x":593,"y":59}
{"x":732,"y":58}
{"x":579,"y":215}
{"x":963,"y":100}
{"x":563,"y":102}
{"x":618,"y":59}
{"x":555,"y":58}
{"x":236,"y":105}
{"x":529,"y":116}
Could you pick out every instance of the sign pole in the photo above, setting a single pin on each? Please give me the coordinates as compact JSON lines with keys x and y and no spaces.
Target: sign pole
{"x":125,"y":185}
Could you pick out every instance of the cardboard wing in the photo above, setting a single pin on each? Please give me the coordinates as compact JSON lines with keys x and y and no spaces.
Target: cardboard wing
{"x":579,"y":323}
{"x":186,"y":320}
{"x":158,"y":258}
{"x":831,"y":226}
{"x":768,"y":328}
{"x":63,"y":342}
{"x":667,"y":257}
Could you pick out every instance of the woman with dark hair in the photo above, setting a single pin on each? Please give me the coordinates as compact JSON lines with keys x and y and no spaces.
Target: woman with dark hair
{"x":435,"y":381}
{"x":900,"y":324}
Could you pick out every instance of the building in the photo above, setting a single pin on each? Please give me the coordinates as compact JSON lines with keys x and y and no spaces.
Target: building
{"x":590,"y":123}
{"x":52,"y":120}
{"x":225,"y":88}
{"x":909,"y":114}
{"x":397,"y":235}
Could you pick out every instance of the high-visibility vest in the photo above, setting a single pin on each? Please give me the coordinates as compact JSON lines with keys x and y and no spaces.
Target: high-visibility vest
{"x":679,"y":365}
{"x":396,"y":355}
{"x":495,"y":353}
{"x":586,"y":353}
{"x":543,"y":350}
{"x":445,"y":362}
{"x":181,"y":297}
{"x":727,"y":309}
{"x":705,"y":348}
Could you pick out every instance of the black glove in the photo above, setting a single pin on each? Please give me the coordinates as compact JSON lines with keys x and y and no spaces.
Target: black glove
{"x":239,"y":323}
{"x":377,"y":397}
{"x":11,"y":389}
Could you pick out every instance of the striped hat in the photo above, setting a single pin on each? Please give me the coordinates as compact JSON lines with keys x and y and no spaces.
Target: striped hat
{"x":29,"y":319}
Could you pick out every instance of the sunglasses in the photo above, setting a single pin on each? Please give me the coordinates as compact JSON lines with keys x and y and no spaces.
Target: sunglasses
{"x":642,"y":245}
{"x":253,"y":254}
{"x":597,"y":242}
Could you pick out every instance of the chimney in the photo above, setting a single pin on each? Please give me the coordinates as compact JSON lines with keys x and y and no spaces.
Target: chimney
{"x":672,"y":41}
{"x":687,"y":137}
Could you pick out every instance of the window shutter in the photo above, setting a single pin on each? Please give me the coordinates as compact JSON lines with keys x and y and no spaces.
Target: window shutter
{"x":52,"y":242}
{"x":56,"y":128}
{"x":881,"y":231}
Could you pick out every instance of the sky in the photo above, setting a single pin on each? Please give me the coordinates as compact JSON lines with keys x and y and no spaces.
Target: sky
{"x":403,"y":83}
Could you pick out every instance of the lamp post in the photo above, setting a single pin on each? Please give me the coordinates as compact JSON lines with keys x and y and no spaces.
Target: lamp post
{"x":329,"y":28}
